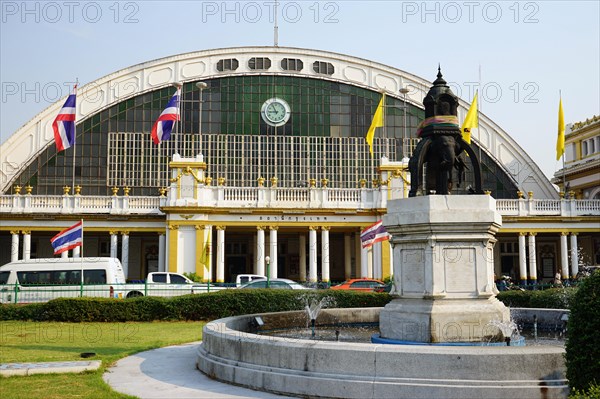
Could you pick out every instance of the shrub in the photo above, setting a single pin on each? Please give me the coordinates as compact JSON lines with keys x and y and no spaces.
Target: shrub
{"x":188,"y":307}
{"x":592,"y":393}
{"x":583,"y":341}
{"x":553,"y":298}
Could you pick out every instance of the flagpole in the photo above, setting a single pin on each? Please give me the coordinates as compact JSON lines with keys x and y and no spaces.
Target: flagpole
{"x":74,"y":137}
{"x":479,"y":102}
{"x":563,"y":155}
{"x":81,"y":258}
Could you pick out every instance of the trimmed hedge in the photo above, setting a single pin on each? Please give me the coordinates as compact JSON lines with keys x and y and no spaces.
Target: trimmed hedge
{"x":188,"y":307}
{"x":553,"y":298}
{"x":583,"y":342}
{"x":226,"y":303}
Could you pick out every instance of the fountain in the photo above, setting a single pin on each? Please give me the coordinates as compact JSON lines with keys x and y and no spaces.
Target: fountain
{"x":445,"y":299}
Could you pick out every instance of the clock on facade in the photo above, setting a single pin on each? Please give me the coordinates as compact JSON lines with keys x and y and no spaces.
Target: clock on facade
{"x":275,"y":111}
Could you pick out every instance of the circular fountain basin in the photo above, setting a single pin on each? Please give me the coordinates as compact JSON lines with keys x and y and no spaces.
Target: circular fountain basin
{"x":233,"y":353}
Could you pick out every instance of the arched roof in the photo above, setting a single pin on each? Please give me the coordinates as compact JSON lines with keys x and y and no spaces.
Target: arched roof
{"x":31,"y":139}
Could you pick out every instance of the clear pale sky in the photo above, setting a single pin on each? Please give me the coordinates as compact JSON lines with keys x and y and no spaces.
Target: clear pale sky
{"x":526,"y":51}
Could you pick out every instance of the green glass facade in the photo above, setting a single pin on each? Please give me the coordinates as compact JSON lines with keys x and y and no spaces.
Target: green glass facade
{"x":320,"y":108}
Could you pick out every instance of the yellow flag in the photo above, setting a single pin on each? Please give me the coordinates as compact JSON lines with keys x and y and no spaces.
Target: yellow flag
{"x":377,"y":122}
{"x":560,"y":141}
{"x":471,"y":121}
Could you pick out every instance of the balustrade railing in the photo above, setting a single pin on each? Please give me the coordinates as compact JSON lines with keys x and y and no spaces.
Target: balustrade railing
{"x":269,"y":197}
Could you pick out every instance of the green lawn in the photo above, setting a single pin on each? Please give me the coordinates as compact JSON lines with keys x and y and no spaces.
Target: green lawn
{"x":35,"y":341}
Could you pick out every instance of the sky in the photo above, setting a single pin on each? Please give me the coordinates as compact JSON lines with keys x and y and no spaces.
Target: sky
{"x":522,"y":55}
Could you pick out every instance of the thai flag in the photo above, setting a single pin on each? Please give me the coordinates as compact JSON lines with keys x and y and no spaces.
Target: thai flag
{"x":64,"y":124}
{"x":373,"y":234}
{"x":68,"y":238}
{"x":163,"y":126}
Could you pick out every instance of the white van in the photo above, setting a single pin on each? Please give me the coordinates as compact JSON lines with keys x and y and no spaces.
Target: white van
{"x":39,"y":280}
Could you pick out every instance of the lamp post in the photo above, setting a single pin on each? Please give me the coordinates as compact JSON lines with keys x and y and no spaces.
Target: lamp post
{"x":268,"y":260}
{"x":201,"y":86}
{"x":404,"y":91}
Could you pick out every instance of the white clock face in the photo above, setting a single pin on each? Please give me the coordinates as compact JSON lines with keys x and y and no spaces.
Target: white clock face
{"x":275,"y":112}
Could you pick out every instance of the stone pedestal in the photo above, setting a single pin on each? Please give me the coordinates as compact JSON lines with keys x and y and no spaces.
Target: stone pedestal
{"x":443,"y":269}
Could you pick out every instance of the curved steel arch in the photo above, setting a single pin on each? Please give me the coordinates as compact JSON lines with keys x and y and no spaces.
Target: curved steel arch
{"x":23,"y":147}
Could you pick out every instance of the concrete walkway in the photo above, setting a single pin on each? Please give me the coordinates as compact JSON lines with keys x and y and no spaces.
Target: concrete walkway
{"x":171,"y":373}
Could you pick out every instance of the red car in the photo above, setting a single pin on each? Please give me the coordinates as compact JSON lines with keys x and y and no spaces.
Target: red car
{"x":361,"y":284}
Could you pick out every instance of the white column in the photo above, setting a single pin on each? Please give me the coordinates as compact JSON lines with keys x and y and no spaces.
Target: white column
{"x":564,"y":256}
{"x":125,"y":252}
{"x":161,"y":252}
{"x":347,"y":257}
{"x":364,"y":262}
{"x":208,"y":238}
{"x":14,"y":249}
{"x":532,"y":258}
{"x":574,"y":256}
{"x":77,"y":252}
{"x":302,"y":265}
{"x":113,"y":244}
{"x":358,"y":255}
{"x":254,"y":254}
{"x":220,"y":254}
{"x":370,"y":262}
{"x":377,"y":266}
{"x":260,"y":250}
{"x":325,"y":254}
{"x":522,"y":259}
{"x":26,"y":244}
{"x":64,"y":255}
{"x":312,"y":254}
{"x":273,"y":251}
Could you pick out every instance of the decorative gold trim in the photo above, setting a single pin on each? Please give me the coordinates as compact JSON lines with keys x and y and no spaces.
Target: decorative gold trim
{"x":15,"y":232}
{"x":325,"y":228}
{"x":260,"y":227}
{"x":530,"y":194}
{"x":125,"y":233}
{"x":221,"y":181}
{"x":173,"y":227}
{"x":274,"y":228}
{"x":126,"y":191}
{"x":26,"y":232}
{"x":28,"y":189}
{"x":186,"y":217}
{"x":362,"y":183}
{"x":312,"y":182}
{"x":66,"y":190}
{"x":261,"y":181}
{"x":274,"y":181}
{"x":188,"y":164}
{"x":18,"y":190}
{"x":221,"y":227}
{"x":313,"y":228}
{"x":115,"y":191}
{"x":324,"y":182}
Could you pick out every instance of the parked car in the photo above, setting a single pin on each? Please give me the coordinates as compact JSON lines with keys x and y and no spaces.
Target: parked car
{"x":242,"y":279}
{"x":277,"y":283}
{"x":361,"y":284}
